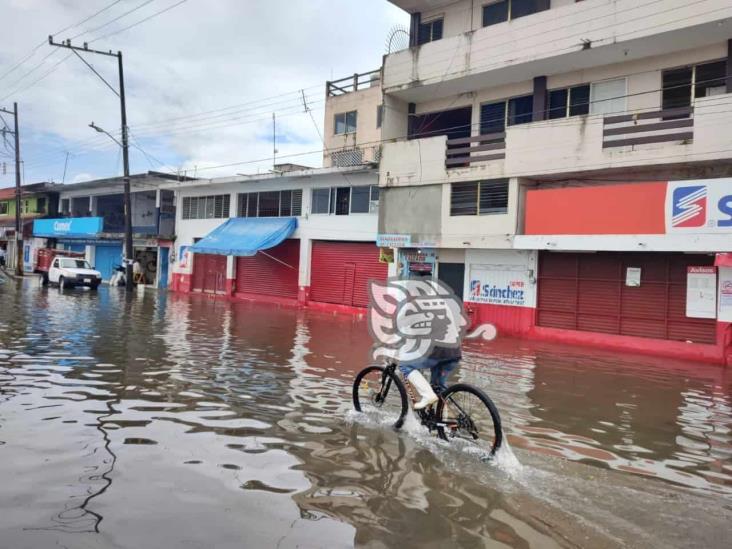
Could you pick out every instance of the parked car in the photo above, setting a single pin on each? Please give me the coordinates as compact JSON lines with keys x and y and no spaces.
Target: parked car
{"x":73,"y":271}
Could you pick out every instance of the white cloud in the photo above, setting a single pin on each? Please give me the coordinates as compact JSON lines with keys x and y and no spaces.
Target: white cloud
{"x":200,"y":56}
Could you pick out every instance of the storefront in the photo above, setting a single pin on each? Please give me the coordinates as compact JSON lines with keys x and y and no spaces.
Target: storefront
{"x":629,"y":294}
{"x":273,"y":272}
{"x":341,"y":272}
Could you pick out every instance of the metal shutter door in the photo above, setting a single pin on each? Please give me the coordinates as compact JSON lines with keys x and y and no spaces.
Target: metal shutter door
{"x":209,"y":273}
{"x":261,"y":274}
{"x":341,"y":270}
{"x":587,"y":292}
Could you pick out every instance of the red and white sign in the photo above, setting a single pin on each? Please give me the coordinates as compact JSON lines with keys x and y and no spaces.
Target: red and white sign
{"x":699,"y":206}
{"x":701,"y":292}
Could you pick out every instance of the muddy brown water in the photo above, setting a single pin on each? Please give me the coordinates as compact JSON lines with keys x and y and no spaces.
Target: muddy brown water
{"x":156,"y":420}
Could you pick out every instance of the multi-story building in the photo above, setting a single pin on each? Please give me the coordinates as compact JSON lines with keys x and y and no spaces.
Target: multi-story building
{"x":37,"y":200}
{"x":303,"y":236}
{"x":566,"y":166}
{"x":297,"y":235}
{"x":91,"y":220}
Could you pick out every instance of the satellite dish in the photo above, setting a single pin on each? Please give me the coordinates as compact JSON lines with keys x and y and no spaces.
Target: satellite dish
{"x":397,"y":40}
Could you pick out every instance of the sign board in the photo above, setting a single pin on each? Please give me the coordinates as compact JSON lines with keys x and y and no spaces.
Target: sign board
{"x":499,"y":285}
{"x":725,"y":294}
{"x":394,"y":240}
{"x":633,"y":277}
{"x":72,"y":227}
{"x":701,"y":292}
{"x":701,"y":206}
{"x":386,"y":255}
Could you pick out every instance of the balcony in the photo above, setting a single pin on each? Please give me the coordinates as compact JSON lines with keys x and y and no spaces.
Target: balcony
{"x":567,"y":38}
{"x":353,"y":83}
{"x":567,"y":147}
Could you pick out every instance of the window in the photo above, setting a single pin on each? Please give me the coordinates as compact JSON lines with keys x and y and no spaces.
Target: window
{"x":65,"y":206}
{"x":74,"y":264}
{"x":3,"y":208}
{"x":681,"y":86}
{"x":379,"y":115}
{"x":206,"y":207}
{"x":271,"y":204}
{"x":345,"y":122}
{"x":608,"y":97}
{"x":321,"y":201}
{"x":569,"y":101}
{"x":345,"y":200}
{"x":41,"y":205}
{"x":505,"y":10}
{"x":494,"y":117}
{"x":342,"y":200}
{"x":520,"y":110}
{"x":430,"y":31}
{"x":360,"y":199}
{"x":479,"y":198}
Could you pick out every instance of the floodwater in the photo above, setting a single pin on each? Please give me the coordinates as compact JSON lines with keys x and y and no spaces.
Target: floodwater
{"x":157,"y":420}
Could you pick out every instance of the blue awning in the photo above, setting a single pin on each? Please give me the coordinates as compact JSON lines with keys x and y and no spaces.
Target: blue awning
{"x":245,"y":236}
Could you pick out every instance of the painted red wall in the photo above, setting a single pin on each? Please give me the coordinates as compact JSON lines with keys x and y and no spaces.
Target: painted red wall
{"x":628,"y":208}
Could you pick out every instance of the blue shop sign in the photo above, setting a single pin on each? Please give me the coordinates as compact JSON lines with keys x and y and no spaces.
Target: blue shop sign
{"x":72,"y":227}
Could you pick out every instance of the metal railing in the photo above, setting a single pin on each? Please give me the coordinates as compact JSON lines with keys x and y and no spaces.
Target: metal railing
{"x":461,"y":152}
{"x":648,"y":127}
{"x":353,"y":83}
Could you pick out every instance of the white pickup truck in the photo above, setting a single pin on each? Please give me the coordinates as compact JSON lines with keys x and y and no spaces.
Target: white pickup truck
{"x":70,"y":271}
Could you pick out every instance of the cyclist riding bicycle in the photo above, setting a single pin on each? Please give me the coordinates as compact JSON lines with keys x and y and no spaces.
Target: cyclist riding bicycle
{"x":441,"y":362}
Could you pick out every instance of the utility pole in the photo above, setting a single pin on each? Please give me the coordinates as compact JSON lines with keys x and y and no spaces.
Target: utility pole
{"x":129,"y":283}
{"x":18,"y":228}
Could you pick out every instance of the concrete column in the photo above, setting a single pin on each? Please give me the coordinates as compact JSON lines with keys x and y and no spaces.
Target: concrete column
{"x":157,"y":211}
{"x":306,"y":248}
{"x":540,"y":98}
{"x":230,"y":274}
{"x":93,"y":205}
{"x":729,"y":65}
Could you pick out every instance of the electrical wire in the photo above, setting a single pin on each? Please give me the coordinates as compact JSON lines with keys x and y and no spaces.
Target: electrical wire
{"x":160,"y":12}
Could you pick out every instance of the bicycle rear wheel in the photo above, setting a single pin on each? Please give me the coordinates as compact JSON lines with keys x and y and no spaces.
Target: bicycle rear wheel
{"x":378,"y":391}
{"x":469,"y":415}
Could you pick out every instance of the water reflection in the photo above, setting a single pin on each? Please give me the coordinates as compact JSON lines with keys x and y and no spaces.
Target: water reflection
{"x":207,"y":423}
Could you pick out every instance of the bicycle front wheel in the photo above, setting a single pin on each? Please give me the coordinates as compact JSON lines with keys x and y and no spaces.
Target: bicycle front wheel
{"x":378,"y":392}
{"x":467,"y":414}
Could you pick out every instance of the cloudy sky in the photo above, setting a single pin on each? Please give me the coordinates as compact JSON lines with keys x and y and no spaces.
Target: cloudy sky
{"x":202,"y":80}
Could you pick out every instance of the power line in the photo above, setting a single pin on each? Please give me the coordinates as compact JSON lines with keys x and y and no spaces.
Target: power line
{"x":105,"y":25}
{"x":160,"y":12}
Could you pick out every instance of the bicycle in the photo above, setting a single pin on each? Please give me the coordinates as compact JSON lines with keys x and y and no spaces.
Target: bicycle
{"x":463,"y":412}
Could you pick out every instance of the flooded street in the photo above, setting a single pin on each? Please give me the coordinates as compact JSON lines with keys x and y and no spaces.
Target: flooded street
{"x":155,"y":420}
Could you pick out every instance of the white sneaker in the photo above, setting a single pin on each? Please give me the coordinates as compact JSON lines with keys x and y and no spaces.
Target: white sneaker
{"x":423,"y":388}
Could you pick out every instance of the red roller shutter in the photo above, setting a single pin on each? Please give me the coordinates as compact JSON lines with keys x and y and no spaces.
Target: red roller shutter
{"x":209,"y":273}
{"x":587,"y":292}
{"x":340,"y":272}
{"x":271,"y":272}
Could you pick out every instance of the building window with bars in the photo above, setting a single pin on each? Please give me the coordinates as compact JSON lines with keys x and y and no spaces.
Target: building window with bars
{"x":479,"y":198}
{"x":494,"y":117}
{"x":206,"y":207}
{"x":271,"y":204}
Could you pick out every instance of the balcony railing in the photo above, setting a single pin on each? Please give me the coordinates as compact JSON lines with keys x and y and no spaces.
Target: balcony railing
{"x":464,"y":151}
{"x":355,"y":156}
{"x":648,"y":127}
{"x":353,"y":83}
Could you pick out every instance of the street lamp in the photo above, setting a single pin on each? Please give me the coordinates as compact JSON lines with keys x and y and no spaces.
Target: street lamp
{"x":128,"y":210}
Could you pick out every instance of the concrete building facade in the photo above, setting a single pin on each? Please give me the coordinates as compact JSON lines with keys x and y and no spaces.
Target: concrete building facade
{"x":532,"y":140}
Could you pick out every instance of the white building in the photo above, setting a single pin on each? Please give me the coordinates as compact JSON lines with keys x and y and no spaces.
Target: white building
{"x":518,"y":129}
{"x":325,"y":257}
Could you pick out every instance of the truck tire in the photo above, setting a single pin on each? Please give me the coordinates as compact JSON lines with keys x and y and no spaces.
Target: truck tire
{"x":44,"y":279}
{"x":94,"y":286}
{"x":61,"y":283}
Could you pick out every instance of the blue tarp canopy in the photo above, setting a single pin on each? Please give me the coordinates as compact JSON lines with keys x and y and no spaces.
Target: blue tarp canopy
{"x":245,"y":236}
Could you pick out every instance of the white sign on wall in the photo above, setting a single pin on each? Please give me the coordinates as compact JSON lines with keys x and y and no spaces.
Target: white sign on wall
{"x":701,"y":292}
{"x":725,"y":294}
{"x":699,"y":206}
{"x":633,"y":277}
{"x":498,"y":285}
